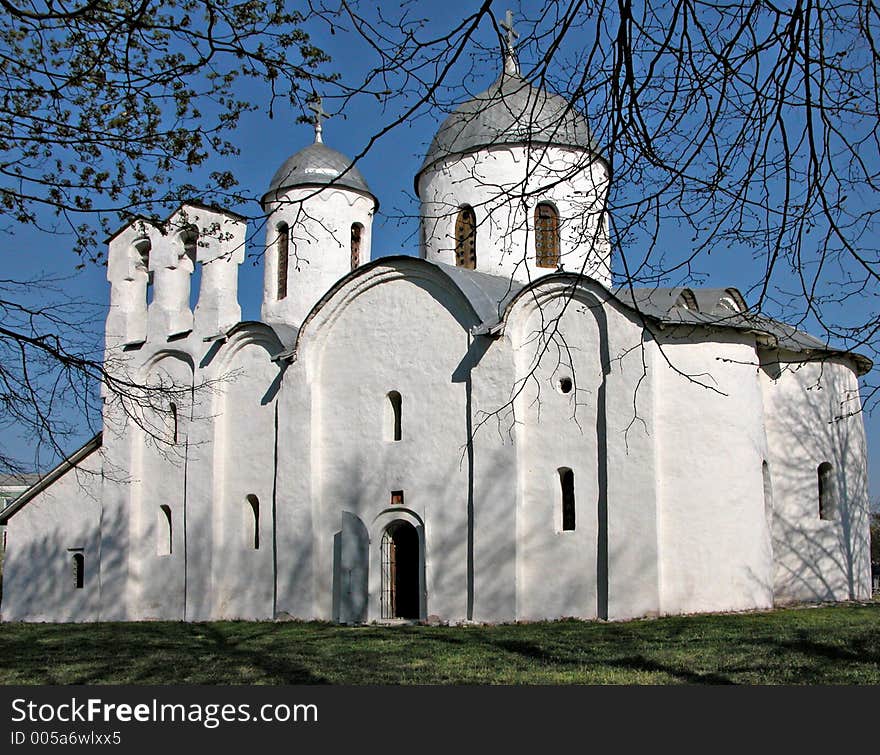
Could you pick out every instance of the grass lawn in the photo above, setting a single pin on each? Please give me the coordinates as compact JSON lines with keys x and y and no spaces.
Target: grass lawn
{"x":837,"y":644}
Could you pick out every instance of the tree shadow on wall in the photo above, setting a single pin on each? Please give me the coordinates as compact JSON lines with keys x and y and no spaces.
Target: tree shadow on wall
{"x":816,"y":558}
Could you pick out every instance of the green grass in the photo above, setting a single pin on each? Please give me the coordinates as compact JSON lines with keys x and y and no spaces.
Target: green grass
{"x":822,"y":645}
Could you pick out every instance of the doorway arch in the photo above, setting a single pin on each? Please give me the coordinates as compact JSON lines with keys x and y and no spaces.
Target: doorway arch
{"x":401,"y":567}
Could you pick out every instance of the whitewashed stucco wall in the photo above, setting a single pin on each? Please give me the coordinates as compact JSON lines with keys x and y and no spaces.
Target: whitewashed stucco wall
{"x":812,"y":416}
{"x":503,"y":185}
{"x":296,"y":488}
{"x":243,"y":578}
{"x":38,"y":574}
{"x":714,"y":544}
{"x":157,"y":572}
{"x":406,"y":335}
{"x":489,"y":367}
{"x":607,"y":566}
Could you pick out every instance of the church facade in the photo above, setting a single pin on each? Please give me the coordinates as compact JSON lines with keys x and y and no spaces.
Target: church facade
{"x":485,"y":432}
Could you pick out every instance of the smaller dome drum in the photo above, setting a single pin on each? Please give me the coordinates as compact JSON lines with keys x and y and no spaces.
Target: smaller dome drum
{"x":320,"y":214}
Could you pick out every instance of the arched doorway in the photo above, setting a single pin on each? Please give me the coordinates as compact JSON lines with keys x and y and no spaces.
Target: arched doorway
{"x":400,"y":571}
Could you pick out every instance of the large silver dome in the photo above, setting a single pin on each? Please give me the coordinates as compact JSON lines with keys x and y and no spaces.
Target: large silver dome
{"x":317,"y":165}
{"x":511,"y":111}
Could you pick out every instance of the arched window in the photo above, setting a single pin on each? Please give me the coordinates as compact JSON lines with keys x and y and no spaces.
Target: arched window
{"x":164,"y":532}
{"x":172,"y":423}
{"x":283,"y":248}
{"x":546,"y":235}
{"x":827,"y":493}
{"x":466,"y":239}
{"x":393,"y":408}
{"x":357,"y":232}
{"x":79,"y":563}
{"x":253,"y":515}
{"x":768,"y":496}
{"x":566,"y":483}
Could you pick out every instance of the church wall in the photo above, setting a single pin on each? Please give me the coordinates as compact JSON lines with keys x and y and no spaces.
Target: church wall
{"x":202,"y":474}
{"x":495,"y":486}
{"x":42,"y":539}
{"x":674,"y":509}
{"x":115,"y":501}
{"x":606,"y":565}
{"x":158,"y":553}
{"x":243,"y":525}
{"x":296,"y":496}
{"x":714,"y":545}
{"x":171,"y":335}
{"x":631,"y":448}
{"x":400,"y":336}
{"x":495,"y":183}
{"x":813,"y":416}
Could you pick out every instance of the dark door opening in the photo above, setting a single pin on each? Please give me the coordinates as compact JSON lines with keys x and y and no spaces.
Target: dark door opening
{"x":400,"y":572}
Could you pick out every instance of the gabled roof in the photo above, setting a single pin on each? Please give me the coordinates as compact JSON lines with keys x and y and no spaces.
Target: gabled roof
{"x":664,"y":306}
{"x":47,"y":479}
{"x":487,"y":294}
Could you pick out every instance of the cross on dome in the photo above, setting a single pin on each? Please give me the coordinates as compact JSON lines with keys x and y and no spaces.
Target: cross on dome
{"x":511,"y":65}
{"x":317,"y":107}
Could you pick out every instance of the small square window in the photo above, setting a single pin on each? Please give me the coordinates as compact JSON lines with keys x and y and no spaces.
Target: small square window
{"x":397,"y":498}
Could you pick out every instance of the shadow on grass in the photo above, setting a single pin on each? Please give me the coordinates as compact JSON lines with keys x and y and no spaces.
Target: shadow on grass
{"x":829,"y":646}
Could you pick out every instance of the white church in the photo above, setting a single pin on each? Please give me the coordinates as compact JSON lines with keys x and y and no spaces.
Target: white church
{"x":486,"y":432}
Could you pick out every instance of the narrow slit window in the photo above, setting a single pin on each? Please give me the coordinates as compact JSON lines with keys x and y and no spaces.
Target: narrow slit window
{"x":393,"y":419}
{"x":172,"y":423}
{"x":768,"y":488}
{"x":164,"y":532}
{"x":78,"y":570}
{"x":283,"y":248}
{"x":357,"y":232}
{"x":253,"y":514}
{"x":566,"y":483}
{"x":466,"y":239}
{"x":827,"y":495}
{"x":546,"y":235}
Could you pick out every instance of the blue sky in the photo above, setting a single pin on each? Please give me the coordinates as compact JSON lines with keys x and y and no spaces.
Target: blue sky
{"x":388,"y":167}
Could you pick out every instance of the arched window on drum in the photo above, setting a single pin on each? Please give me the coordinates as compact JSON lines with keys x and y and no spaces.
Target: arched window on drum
{"x":466,"y":239}
{"x":546,"y":235}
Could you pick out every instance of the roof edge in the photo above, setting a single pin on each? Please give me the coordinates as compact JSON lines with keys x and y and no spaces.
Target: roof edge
{"x":50,"y":477}
{"x":335,"y":184}
{"x":861,"y":363}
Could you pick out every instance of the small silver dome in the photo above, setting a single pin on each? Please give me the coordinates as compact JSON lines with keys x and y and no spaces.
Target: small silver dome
{"x":318,"y":165}
{"x":511,"y":111}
